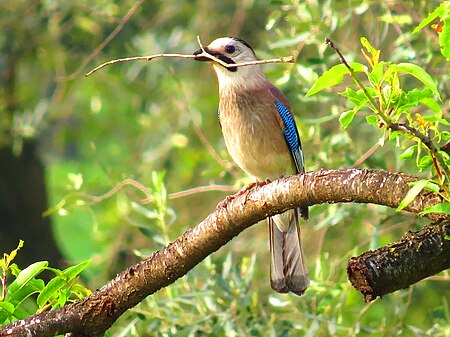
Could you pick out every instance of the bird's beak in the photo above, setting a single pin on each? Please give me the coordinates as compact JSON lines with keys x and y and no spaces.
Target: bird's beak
{"x":216,"y":54}
{"x":203,"y":58}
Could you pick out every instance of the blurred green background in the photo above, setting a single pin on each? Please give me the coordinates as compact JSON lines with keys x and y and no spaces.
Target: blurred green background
{"x":65,"y":138}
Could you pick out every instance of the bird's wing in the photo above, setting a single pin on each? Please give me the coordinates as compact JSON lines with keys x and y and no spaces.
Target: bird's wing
{"x":218,"y":117}
{"x":289,"y":128}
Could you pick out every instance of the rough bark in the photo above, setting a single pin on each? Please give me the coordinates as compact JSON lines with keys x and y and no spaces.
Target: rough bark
{"x":414,"y":257}
{"x":95,"y":314}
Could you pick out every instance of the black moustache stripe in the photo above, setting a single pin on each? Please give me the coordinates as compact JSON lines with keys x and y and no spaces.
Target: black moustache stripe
{"x":227,"y":60}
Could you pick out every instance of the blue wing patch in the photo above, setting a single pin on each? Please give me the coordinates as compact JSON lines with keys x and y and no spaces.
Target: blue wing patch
{"x":290,"y":131}
{"x":291,"y":136}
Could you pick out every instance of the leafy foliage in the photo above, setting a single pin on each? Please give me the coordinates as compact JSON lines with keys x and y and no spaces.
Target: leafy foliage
{"x":392,"y":109}
{"x":18,"y":297}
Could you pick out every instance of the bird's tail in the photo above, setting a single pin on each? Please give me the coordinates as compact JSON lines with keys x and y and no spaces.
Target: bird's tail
{"x":288,"y":271}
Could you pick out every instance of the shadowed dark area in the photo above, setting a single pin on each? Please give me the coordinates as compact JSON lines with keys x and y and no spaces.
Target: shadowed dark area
{"x":23,"y":198}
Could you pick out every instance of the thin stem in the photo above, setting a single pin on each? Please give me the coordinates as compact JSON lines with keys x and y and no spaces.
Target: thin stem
{"x":93,"y":199}
{"x":428,"y":143}
{"x":199,"y":189}
{"x":286,"y":59}
{"x":108,"y":39}
{"x":3,"y":286}
{"x":378,"y":111}
{"x":136,"y":58}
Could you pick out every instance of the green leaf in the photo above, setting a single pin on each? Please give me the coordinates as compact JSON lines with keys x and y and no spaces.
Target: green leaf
{"x":26,"y":276}
{"x":52,"y":289}
{"x":434,"y":106}
{"x":445,"y":135}
{"x":7,"y":307}
{"x":63,"y":297}
{"x":8,"y":258}
{"x":394,"y":136}
{"x":356,"y":97}
{"x":419,"y":73}
{"x":377,"y":72}
{"x":374,"y":52}
{"x":333,"y":76}
{"x":439,"y":11}
{"x":409,"y":152}
{"x":346,"y":117}
{"x":433,"y":187}
{"x":73,"y":271}
{"x":372,"y":120}
{"x":425,"y":162}
{"x":416,"y":188}
{"x":444,"y":156}
{"x":34,"y":286}
{"x":21,"y":313}
{"x":434,"y":119}
{"x":413,"y":97}
{"x":444,"y":39}
{"x":401,"y":19}
{"x":425,"y":22}
{"x":443,"y":208}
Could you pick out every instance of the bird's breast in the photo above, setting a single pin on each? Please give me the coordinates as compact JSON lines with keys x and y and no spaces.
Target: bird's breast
{"x":254,"y":137}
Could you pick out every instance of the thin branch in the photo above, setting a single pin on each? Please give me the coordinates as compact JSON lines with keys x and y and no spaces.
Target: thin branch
{"x":426,"y":140}
{"x":119,"y":186}
{"x":286,"y":59}
{"x":137,"y":58}
{"x":368,"y":153}
{"x":199,"y":189}
{"x":222,"y":162}
{"x":227,"y":165}
{"x":94,"y":199}
{"x":382,"y":115}
{"x":107,"y":40}
{"x":415,"y":133}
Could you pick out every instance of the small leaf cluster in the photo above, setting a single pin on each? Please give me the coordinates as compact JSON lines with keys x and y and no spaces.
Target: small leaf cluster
{"x":27,"y":294}
{"x":411,"y":118}
{"x":384,"y":98}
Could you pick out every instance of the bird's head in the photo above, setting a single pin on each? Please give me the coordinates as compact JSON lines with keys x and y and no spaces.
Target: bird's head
{"x":232,"y":50}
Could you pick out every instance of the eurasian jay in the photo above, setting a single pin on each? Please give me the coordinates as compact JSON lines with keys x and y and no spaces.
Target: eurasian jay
{"x":262,"y":138}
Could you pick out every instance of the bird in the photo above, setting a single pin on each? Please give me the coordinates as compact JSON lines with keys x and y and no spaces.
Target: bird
{"x":261,"y":136}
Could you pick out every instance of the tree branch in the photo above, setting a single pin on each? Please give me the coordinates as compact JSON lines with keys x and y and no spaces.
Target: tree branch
{"x":414,"y":257}
{"x":93,"y":315}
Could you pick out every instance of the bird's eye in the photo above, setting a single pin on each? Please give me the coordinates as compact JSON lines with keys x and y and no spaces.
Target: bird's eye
{"x":230,"y":49}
